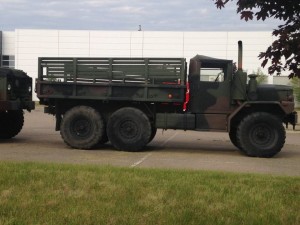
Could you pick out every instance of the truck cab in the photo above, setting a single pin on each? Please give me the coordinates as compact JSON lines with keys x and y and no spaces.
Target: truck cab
{"x":15,"y":96}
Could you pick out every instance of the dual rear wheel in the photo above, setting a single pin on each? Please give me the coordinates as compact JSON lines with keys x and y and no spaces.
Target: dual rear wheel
{"x":82,"y":127}
{"x":129,"y":129}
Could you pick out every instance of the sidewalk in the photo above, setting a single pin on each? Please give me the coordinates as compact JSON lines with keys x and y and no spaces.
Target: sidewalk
{"x":290,"y":129}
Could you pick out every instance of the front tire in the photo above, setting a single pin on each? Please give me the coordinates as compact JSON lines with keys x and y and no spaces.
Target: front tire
{"x":11,"y":123}
{"x":233,"y":137}
{"x":82,"y":127}
{"x":129,"y":129}
{"x":261,"y":134}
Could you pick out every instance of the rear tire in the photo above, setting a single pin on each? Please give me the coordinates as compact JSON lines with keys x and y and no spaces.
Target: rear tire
{"x":261,"y":134}
{"x":153,"y":133}
{"x":82,"y":127}
{"x":11,"y":123}
{"x":129,"y":129}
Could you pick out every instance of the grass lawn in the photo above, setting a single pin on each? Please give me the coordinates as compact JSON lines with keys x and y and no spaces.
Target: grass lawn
{"x":32,"y":193}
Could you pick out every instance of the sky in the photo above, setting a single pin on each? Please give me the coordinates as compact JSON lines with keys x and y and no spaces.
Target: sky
{"x":152,"y":15}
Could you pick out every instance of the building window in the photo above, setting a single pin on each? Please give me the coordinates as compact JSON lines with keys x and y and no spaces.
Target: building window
{"x":8,"y":61}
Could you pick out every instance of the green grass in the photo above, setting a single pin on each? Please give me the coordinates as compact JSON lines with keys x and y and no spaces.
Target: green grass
{"x":32,"y":193}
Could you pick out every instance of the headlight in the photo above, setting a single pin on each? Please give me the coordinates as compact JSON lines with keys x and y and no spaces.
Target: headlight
{"x":8,"y":87}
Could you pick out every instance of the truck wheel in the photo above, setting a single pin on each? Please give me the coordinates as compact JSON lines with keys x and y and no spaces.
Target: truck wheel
{"x":129,"y":129}
{"x":82,"y":127}
{"x":153,"y":133}
{"x":11,"y":123}
{"x":233,"y":138}
{"x":261,"y":135}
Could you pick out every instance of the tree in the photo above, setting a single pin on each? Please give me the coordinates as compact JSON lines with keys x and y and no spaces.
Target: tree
{"x":296,"y":87}
{"x":261,"y":77}
{"x":284,"y":52}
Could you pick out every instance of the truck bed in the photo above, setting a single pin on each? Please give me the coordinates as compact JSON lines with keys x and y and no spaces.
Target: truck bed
{"x":128,"y":79}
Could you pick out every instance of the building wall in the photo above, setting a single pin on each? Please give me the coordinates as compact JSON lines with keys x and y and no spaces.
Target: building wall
{"x":1,"y":43}
{"x":27,"y":45}
{"x":7,"y":49}
{"x":8,"y":43}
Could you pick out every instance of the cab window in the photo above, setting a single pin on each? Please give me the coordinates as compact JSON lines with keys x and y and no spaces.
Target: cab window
{"x":212,"y":74}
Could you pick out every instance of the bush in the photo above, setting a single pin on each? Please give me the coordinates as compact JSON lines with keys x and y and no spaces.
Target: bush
{"x":296,"y":86}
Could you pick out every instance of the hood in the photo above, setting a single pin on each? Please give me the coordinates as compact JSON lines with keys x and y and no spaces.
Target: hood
{"x":270,"y":92}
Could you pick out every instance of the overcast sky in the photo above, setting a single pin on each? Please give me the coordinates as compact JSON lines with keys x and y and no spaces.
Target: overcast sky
{"x":152,"y":15}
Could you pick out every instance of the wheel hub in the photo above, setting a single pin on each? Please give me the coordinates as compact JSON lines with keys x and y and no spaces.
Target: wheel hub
{"x":261,"y":135}
{"x":128,"y":129}
{"x":81,"y":128}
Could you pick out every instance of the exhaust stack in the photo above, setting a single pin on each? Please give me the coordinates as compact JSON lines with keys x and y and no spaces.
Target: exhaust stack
{"x":239,"y":87}
{"x":240,"y":55}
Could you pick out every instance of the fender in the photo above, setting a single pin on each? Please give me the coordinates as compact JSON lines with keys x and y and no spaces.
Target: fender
{"x":285,"y":108}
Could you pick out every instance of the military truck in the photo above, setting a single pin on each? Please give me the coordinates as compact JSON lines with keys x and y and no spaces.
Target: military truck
{"x":125,"y":101}
{"x":15,"y":96}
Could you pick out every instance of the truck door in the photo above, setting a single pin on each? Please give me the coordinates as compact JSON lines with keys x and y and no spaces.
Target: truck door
{"x":210,"y":91}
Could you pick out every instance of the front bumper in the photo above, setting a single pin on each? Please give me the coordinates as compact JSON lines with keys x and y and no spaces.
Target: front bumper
{"x":291,"y":118}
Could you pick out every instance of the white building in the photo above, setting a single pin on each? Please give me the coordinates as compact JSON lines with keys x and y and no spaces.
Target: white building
{"x":21,"y":48}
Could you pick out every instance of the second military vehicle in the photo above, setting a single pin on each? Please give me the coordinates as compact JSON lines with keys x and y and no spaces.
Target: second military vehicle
{"x":15,"y":96}
{"x":125,"y":100}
